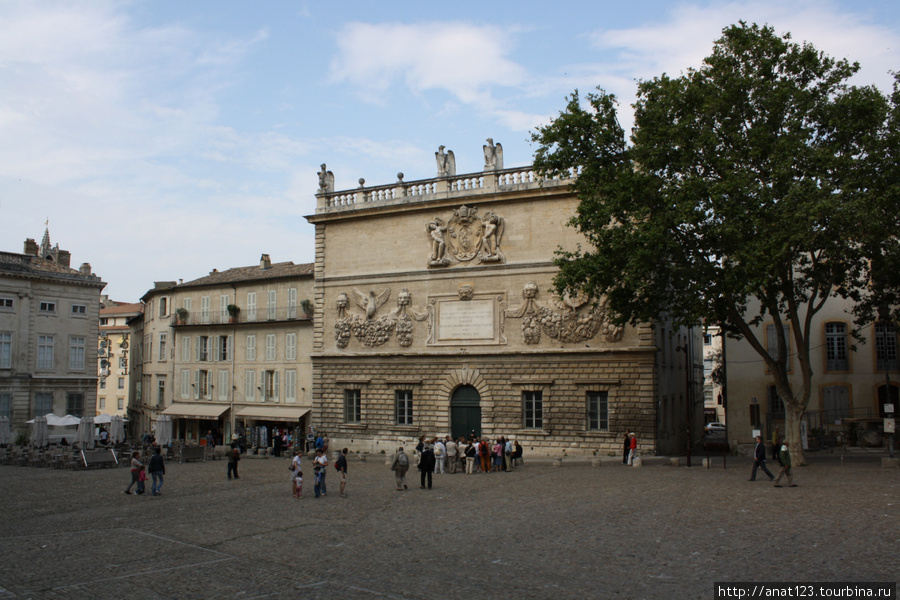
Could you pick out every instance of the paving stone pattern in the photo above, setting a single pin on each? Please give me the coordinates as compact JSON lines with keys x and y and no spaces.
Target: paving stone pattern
{"x":574,"y":531}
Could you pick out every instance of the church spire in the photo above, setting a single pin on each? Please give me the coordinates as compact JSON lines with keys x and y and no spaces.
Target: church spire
{"x":45,"y":243}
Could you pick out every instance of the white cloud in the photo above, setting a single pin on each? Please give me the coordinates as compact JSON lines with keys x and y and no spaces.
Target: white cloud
{"x":463,"y":59}
{"x":685,"y":36}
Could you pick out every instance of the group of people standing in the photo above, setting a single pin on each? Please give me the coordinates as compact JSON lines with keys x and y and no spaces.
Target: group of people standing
{"x":320,"y":470}
{"x":447,"y":455}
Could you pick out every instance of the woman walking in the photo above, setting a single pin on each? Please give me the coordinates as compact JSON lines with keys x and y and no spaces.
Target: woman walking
{"x":137,"y":467}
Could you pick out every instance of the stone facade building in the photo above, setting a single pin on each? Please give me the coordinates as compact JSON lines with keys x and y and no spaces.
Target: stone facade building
{"x":436,"y":315}
{"x":229,"y":350}
{"x":49,"y":315}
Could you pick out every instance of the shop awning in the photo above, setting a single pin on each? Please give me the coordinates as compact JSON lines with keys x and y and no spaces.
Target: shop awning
{"x":272,"y":413}
{"x":180,"y":410}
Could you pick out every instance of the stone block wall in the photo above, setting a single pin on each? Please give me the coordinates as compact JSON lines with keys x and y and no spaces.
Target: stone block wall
{"x":563,"y":378}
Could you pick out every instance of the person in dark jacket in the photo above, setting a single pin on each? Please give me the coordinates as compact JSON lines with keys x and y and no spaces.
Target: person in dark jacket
{"x":627,"y":448}
{"x":426,"y":464}
{"x":785,"y":457}
{"x":156,"y":469}
{"x":759,"y":462}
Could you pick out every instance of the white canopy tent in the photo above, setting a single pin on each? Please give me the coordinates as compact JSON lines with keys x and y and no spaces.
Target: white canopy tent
{"x":54,"y":421}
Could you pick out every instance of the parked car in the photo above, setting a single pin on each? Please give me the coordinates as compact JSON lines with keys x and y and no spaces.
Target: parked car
{"x":714,"y":427}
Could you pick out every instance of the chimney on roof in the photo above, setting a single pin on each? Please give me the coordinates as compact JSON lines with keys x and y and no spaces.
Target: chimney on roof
{"x":64,"y":257}
{"x":265,"y":262}
{"x":31,"y":247}
{"x":85,"y":269}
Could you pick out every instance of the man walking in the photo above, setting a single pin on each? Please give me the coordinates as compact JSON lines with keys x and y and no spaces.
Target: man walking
{"x":759,"y":462}
{"x":785,"y":457}
{"x":400,"y":465}
{"x":157,"y":469}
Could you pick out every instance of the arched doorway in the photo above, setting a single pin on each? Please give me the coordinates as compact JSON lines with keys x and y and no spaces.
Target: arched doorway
{"x":465,"y":412}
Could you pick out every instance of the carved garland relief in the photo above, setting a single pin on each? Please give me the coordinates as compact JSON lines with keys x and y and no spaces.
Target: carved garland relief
{"x":573,"y":320}
{"x":572,"y":323}
{"x":370,"y":331}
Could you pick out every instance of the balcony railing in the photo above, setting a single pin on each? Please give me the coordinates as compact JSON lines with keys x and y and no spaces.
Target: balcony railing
{"x":472,"y":184}
{"x":245,"y":315}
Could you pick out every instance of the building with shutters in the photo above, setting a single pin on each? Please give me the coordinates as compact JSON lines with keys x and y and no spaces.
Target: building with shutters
{"x":852,"y":379}
{"x":229,"y":351}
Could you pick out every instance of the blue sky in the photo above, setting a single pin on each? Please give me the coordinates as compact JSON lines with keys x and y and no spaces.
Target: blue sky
{"x":164,"y":139}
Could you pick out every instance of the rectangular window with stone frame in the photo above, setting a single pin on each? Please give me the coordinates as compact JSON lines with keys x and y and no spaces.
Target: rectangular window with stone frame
{"x":5,"y":405}
{"x":533,"y":409}
{"x":43,"y":403}
{"x":352,"y":406}
{"x":404,"y":407}
{"x":5,"y":350}
{"x":75,"y":404}
{"x":597,"y":411}
{"x":45,"y":353}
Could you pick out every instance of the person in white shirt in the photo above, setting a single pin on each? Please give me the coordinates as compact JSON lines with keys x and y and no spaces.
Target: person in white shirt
{"x":440,"y":455}
{"x":320,"y":466}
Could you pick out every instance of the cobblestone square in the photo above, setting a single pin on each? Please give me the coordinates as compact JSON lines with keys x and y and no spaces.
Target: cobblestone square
{"x":574,"y":531}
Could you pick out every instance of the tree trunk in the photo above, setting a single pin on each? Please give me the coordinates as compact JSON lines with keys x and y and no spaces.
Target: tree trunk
{"x":793,"y":415}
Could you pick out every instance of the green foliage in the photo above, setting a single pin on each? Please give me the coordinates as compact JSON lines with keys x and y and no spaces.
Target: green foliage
{"x":22,"y":437}
{"x":754,"y":188}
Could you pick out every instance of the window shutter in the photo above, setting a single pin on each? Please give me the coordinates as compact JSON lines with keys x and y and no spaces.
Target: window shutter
{"x":217,"y":347}
{"x":275,"y":395}
{"x":197,"y":348}
{"x":197,"y":384}
{"x":230,"y":348}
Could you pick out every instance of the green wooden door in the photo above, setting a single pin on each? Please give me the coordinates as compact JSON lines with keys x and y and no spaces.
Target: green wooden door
{"x":465,"y":412}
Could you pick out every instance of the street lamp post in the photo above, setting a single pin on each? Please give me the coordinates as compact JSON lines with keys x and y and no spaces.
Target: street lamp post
{"x":884,"y":314}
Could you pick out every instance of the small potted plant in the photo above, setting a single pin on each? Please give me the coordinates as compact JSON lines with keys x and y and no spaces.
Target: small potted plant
{"x":233,"y":311}
{"x":181,"y":316}
{"x":306,"y":305}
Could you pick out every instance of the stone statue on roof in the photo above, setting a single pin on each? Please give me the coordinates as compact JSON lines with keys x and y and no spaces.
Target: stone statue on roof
{"x":326,"y":180}
{"x":446,"y":162}
{"x":493,"y":156}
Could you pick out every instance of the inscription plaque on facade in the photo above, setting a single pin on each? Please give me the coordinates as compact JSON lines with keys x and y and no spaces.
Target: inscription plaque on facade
{"x":468,"y":320}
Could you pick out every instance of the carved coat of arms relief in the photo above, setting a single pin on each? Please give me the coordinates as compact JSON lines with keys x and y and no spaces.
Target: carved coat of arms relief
{"x":465,"y":238}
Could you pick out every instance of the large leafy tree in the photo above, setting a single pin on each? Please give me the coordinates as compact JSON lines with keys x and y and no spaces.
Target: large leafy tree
{"x":753,"y":189}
